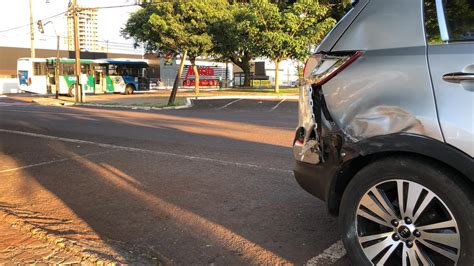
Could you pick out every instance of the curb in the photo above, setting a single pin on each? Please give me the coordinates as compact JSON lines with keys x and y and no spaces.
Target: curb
{"x":60,"y":243}
{"x":52,"y":103}
{"x":188,"y":103}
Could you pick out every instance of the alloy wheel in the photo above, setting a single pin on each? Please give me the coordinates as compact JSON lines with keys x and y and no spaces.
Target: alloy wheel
{"x":401,"y":222}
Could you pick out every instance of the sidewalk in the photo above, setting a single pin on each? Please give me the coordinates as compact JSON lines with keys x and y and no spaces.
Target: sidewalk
{"x":17,"y":247}
{"x":30,"y":237}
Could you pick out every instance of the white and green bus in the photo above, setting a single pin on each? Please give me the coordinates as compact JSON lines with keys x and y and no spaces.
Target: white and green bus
{"x":37,"y":75}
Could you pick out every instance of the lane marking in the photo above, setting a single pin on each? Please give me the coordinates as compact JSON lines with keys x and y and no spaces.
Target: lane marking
{"x":14,"y":104}
{"x":248,"y":97}
{"x":278,"y":104}
{"x":43,"y":112}
{"x":132,"y":149}
{"x":222,"y":107}
{"x":53,"y":161}
{"x":329,"y":255}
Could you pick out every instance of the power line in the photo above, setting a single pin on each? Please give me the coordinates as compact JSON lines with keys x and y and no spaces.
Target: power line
{"x":105,"y":7}
{"x":26,"y":25}
{"x":118,"y":44}
{"x":64,"y":12}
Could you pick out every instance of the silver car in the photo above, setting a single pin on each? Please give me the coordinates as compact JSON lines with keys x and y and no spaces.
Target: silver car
{"x":386,"y":131}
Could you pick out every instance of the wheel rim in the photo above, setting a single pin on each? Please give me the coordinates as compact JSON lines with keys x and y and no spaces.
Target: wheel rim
{"x":403,"y":221}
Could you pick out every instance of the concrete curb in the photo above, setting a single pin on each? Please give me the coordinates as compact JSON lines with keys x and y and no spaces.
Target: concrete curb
{"x":40,"y":101}
{"x":188,"y":103}
{"x":65,"y":245}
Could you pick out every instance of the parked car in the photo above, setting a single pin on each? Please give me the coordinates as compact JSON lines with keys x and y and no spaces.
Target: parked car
{"x":386,"y":131}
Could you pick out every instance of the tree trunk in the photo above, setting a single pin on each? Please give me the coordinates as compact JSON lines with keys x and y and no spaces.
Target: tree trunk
{"x":177,"y":80}
{"x":277,"y":77}
{"x":196,"y":77}
{"x":246,"y":69}
{"x":244,"y":63}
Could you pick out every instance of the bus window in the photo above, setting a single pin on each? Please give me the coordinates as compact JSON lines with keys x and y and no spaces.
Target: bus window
{"x":39,"y":69}
{"x":143,"y":72}
{"x":129,"y":71}
{"x":86,"y":69}
{"x":112,"y":70}
{"x":67,"y":69}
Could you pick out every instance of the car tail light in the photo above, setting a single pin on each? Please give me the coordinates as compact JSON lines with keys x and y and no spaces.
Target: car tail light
{"x":320,"y":68}
{"x":30,"y":81}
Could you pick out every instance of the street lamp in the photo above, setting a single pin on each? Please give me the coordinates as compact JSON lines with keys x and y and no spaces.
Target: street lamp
{"x":56,"y":66}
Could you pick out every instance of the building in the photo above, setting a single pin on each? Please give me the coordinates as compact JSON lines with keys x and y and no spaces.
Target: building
{"x":262,"y":73}
{"x":87,"y":24}
{"x":211,"y":73}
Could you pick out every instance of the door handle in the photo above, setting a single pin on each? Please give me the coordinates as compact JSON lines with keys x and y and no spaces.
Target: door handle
{"x":458,"y":77}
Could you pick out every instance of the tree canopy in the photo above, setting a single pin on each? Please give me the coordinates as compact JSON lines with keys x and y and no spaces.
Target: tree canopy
{"x":233,"y":39}
{"x":288,"y":33}
{"x":176,"y":26}
{"x":236,"y":31}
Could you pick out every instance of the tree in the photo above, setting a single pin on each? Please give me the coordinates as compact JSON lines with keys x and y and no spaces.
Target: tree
{"x":288,"y":32}
{"x":232,"y":38}
{"x":338,"y":8}
{"x":140,"y":28}
{"x":180,"y":27}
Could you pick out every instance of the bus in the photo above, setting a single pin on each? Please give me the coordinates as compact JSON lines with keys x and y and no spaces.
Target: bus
{"x":37,"y":75}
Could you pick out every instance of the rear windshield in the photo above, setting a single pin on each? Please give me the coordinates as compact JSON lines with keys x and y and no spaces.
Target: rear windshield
{"x":449,"y":20}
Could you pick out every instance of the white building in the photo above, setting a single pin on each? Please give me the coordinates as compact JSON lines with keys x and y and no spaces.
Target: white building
{"x":263,"y":73}
{"x":87,"y":20}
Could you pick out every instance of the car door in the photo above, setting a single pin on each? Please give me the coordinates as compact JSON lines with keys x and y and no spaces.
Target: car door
{"x":451,"y":63}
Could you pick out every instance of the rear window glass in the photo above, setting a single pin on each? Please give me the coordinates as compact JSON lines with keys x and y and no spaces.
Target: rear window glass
{"x":456,"y":23}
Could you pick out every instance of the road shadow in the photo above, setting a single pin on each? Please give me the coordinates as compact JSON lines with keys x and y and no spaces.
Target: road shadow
{"x":175,"y":208}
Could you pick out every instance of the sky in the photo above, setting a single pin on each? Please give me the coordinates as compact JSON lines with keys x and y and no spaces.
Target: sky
{"x":15,"y":13}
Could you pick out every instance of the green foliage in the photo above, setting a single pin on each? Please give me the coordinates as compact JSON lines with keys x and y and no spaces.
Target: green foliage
{"x":231,"y":32}
{"x":459,"y":19}
{"x":139,"y":28}
{"x":176,"y":26}
{"x":237,"y":31}
{"x":338,"y":8}
{"x":288,"y":33}
{"x":232,"y":38}
{"x":431,"y":23}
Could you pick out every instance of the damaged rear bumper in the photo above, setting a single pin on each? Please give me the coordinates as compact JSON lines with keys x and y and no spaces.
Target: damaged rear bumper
{"x":317,"y":146}
{"x":316,"y":178}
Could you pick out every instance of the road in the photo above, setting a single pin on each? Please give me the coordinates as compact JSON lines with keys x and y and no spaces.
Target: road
{"x":208,"y":184}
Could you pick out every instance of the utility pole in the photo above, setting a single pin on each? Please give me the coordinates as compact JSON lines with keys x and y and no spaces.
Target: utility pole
{"x":32,"y":32}
{"x":77,"y":52}
{"x":56,"y":65}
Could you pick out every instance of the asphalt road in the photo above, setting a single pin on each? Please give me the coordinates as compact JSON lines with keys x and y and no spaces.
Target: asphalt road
{"x":208,"y":184}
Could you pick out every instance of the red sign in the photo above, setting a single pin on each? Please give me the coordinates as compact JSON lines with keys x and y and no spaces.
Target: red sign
{"x":203,"y":71}
{"x":202,"y":82}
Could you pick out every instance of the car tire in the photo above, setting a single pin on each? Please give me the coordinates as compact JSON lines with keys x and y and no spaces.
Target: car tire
{"x":419,"y":180}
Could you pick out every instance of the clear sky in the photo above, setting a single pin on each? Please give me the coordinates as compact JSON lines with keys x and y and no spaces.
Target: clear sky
{"x":15,"y":13}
